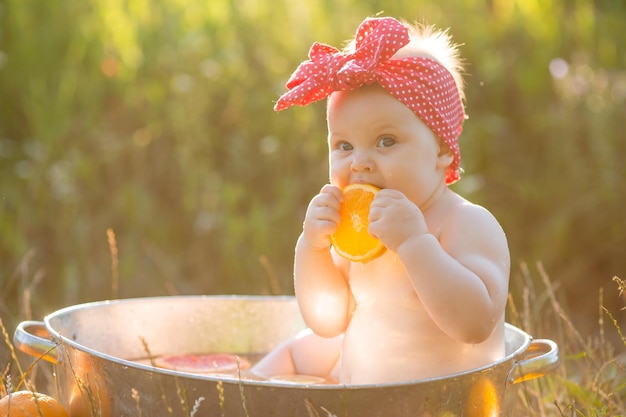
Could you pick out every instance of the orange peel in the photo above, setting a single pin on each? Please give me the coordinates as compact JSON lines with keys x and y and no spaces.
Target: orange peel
{"x":28,"y":403}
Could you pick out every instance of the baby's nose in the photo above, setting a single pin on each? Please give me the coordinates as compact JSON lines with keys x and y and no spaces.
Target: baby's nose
{"x":362,"y":161}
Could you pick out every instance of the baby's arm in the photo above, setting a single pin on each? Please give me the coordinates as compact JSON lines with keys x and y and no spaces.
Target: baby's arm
{"x":321,"y":288}
{"x":461,"y":277}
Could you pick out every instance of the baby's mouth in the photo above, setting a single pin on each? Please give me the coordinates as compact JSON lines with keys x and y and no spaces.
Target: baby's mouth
{"x":361,"y":181}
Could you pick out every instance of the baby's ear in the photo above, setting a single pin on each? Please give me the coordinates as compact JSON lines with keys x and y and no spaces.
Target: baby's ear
{"x":445,"y":156}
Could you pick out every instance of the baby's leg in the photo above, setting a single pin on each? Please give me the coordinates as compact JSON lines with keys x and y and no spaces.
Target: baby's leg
{"x":305,"y":354}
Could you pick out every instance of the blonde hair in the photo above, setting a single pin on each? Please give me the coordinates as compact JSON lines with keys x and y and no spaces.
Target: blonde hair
{"x":430,"y":42}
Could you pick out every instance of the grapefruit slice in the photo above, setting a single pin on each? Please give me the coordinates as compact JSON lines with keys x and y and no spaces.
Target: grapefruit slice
{"x":203,"y":362}
{"x":351,"y":239}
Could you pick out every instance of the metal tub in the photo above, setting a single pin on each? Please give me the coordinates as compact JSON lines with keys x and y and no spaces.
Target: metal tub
{"x":97,"y":350}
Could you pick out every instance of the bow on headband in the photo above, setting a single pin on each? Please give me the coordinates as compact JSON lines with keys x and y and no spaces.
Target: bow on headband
{"x":422,"y":84}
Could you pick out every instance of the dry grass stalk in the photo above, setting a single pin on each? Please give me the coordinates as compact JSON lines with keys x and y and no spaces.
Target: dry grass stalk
{"x":135,"y":396}
{"x":114,"y":262}
{"x":196,"y":406}
{"x":7,"y":341}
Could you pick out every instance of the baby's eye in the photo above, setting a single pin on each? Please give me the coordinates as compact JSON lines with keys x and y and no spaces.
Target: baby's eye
{"x":344,"y":146}
{"x":386,"y":142}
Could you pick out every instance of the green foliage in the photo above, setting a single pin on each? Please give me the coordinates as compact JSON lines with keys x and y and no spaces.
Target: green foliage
{"x":154,"y":119}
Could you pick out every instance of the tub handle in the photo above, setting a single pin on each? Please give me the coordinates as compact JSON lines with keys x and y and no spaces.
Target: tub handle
{"x":33,"y":338}
{"x":541,"y":357}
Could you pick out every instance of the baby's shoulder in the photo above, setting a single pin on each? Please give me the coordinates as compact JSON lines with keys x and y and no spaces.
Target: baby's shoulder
{"x":458,"y":207}
{"x":468,"y":218}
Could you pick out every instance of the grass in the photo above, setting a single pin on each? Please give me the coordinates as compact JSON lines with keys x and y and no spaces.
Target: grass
{"x":590,"y":382}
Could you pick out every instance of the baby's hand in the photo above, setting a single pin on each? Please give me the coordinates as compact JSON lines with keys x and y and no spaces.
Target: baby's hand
{"x":322,"y":217}
{"x":394,"y":218}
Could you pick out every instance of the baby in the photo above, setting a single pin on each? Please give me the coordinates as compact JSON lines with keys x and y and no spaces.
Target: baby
{"x":434,"y":303}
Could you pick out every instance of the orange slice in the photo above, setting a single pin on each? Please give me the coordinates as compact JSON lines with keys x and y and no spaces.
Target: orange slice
{"x":297,"y":379}
{"x":351,"y":239}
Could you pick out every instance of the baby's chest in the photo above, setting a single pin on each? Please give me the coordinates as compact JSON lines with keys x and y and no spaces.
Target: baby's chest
{"x":380,"y":280}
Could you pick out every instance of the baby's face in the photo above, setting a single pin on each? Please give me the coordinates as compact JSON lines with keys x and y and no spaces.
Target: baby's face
{"x":374,"y":138}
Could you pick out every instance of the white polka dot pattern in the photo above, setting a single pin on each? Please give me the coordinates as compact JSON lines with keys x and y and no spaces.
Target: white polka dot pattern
{"x":422,"y":84}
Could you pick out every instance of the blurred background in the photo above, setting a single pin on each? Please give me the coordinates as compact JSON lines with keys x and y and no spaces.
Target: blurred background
{"x":140,"y":155}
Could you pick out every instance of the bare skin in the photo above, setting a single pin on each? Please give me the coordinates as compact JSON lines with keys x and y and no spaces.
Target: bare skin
{"x":434,"y":303}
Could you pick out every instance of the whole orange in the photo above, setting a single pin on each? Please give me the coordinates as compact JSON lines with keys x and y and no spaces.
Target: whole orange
{"x":30,"y":404}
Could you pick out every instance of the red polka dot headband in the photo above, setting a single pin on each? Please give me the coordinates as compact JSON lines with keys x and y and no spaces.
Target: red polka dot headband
{"x":422,"y":84}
